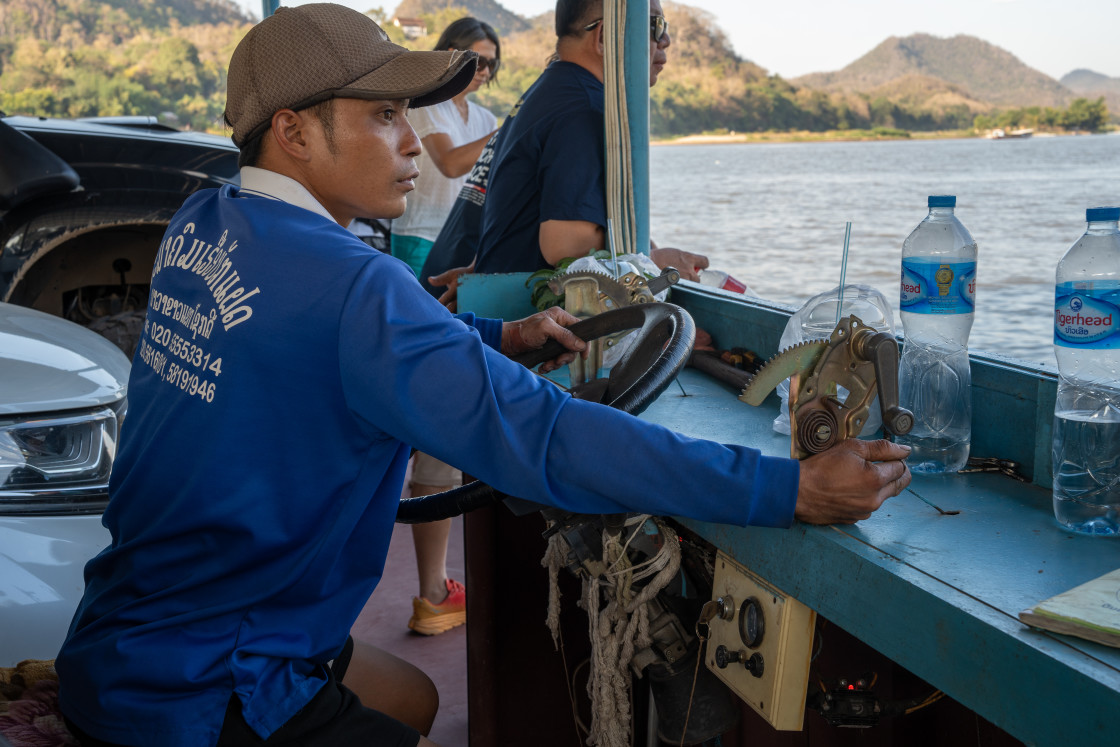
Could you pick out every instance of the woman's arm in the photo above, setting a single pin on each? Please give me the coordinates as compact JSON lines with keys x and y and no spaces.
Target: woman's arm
{"x":452,"y":161}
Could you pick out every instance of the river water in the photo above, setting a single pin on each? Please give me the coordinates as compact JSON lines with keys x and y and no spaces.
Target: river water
{"x":773,"y":216}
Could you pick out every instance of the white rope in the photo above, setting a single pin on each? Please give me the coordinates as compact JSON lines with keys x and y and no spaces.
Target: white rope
{"x":553,"y":560}
{"x":618,"y":627}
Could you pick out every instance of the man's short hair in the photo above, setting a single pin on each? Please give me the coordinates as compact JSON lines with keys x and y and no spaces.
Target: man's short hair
{"x":300,"y":56}
{"x":250,"y":154}
{"x":573,"y":15}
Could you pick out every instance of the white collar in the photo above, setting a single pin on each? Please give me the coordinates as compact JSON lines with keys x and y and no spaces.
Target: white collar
{"x":279,"y":187}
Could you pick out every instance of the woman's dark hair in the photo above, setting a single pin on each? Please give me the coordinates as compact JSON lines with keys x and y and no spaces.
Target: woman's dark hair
{"x":462,"y":34}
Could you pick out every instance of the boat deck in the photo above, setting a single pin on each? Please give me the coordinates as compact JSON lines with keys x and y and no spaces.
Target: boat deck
{"x":384,"y":623}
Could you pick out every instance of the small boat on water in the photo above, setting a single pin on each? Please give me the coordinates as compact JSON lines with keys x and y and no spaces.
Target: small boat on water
{"x":1002,"y":134}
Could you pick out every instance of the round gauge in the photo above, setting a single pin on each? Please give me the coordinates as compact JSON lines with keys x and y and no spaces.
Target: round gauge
{"x":752,"y":625}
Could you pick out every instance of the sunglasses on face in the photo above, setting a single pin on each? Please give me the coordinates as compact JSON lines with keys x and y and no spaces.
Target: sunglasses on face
{"x":658,"y":27}
{"x":491,"y":62}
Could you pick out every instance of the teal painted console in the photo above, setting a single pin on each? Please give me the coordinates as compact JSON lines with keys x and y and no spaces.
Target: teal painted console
{"x":938,"y":594}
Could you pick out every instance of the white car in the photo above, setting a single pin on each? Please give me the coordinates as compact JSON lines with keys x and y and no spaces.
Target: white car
{"x":62,"y":399}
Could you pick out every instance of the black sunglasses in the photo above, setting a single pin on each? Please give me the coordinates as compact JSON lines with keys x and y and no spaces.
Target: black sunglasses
{"x":658,"y":27}
{"x":491,"y":62}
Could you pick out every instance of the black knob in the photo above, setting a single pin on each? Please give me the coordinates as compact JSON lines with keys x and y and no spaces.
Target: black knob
{"x":725,"y":656}
{"x":755,"y":665}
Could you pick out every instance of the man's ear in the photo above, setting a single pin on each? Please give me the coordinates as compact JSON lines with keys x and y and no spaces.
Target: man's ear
{"x":600,"y":39}
{"x":289,"y":132}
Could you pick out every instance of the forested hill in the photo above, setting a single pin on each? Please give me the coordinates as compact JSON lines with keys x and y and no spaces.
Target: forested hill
{"x":79,"y":58}
{"x":82,"y":58}
{"x":979,"y":69}
{"x":1091,"y":84}
{"x":503,"y":21}
{"x":82,"y":20}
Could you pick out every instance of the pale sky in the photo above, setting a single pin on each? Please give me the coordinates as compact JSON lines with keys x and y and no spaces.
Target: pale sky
{"x":805,"y":36}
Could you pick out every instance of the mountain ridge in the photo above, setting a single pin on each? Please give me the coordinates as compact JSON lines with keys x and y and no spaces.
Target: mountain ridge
{"x":1092,"y":84}
{"x":76,"y":58}
{"x":984,"y":71}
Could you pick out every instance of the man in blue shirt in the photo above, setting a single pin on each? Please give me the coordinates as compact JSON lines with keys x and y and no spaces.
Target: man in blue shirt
{"x":284,"y":371}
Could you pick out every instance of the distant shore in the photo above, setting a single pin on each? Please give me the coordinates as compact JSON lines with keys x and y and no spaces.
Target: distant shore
{"x":831,"y":136}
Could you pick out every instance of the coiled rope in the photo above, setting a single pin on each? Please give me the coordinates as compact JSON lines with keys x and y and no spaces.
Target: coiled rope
{"x":618,"y":619}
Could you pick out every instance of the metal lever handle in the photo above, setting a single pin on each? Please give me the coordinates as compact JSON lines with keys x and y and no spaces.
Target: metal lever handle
{"x":669,"y":276}
{"x":882,"y":350}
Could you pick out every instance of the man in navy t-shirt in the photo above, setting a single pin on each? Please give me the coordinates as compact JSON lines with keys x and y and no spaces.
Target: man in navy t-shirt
{"x":537,"y":194}
{"x":285,"y":370}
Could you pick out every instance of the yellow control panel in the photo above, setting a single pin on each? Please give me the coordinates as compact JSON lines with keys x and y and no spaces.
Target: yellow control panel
{"x":760,"y":644}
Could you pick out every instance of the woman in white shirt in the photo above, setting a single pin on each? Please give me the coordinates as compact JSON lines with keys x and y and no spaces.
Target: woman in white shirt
{"x":453,"y":134}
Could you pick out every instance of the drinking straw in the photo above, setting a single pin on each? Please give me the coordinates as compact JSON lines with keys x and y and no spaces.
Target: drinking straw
{"x":843,"y":268}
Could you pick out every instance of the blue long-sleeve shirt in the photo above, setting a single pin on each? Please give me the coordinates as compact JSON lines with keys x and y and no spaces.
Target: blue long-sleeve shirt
{"x":284,"y":371}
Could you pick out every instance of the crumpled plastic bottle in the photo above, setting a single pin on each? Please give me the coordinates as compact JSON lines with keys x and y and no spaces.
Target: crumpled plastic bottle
{"x":816,"y":319}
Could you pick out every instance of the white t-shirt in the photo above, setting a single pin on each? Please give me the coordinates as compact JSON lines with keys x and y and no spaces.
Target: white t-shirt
{"x":431,"y":201}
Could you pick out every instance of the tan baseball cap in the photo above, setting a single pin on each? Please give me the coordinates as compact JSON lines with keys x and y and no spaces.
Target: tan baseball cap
{"x":305,"y":54}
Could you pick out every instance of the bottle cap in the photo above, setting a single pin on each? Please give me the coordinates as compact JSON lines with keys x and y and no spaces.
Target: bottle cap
{"x":1102,"y":213}
{"x":942,"y":201}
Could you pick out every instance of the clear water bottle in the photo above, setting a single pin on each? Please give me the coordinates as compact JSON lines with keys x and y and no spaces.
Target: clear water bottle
{"x":937,"y":299}
{"x":723,"y":280}
{"x":1086,"y":450}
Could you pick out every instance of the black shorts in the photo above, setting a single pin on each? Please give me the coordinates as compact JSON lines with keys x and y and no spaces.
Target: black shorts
{"x":333,"y":718}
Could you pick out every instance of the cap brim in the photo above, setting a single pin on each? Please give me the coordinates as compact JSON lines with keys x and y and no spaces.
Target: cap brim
{"x":424,"y":78}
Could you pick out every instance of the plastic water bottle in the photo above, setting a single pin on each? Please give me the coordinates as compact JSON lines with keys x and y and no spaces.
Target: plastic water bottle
{"x":722,"y":280}
{"x":1086,"y":451}
{"x":936,"y":304}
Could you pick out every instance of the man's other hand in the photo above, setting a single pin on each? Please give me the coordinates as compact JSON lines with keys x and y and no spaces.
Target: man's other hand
{"x":534,"y":331}
{"x":450,"y":278}
{"x":850,"y":481}
{"x":686,"y":263}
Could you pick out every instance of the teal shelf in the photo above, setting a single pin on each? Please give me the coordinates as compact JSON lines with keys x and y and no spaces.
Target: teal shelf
{"x":938,"y":594}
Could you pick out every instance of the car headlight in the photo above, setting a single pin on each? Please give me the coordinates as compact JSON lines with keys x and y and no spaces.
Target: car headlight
{"x":57,"y":464}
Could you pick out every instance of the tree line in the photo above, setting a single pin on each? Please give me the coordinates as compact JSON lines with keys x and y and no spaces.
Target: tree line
{"x":76,"y":58}
{"x":1082,"y":115}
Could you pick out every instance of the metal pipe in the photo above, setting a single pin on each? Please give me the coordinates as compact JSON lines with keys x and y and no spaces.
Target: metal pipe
{"x":636,"y":79}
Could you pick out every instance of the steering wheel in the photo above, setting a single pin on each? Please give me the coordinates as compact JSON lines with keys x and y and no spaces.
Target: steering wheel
{"x":663,"y":341}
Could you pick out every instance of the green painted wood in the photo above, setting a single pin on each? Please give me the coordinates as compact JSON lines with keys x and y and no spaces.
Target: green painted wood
{"x":496,"y":296}
{"x":938,"y":594}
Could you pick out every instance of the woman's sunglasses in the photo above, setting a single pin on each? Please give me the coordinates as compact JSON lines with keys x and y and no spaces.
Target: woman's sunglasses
{"x":491,"y":62}
{"x":658,"y":27}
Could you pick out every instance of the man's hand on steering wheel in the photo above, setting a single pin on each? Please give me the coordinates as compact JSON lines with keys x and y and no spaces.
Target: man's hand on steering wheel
{"x":533,"y":332}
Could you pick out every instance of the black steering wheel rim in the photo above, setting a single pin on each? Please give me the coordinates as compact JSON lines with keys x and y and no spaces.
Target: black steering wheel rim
{"x":665,"y":336}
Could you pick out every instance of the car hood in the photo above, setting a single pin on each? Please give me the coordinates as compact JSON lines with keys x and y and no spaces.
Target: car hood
{"x":49,"y":364}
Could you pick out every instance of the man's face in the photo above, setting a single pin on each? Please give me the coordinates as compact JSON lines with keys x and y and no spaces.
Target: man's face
{"x":368,"y":168}
{"x":657,"y":56}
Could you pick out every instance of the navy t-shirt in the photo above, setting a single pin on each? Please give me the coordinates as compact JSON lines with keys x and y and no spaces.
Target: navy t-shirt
{"x":548,"y":165}
{"x":457,"y":242}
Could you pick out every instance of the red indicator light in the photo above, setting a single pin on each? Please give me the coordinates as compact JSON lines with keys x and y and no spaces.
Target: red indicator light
{"x":851,"y":687}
